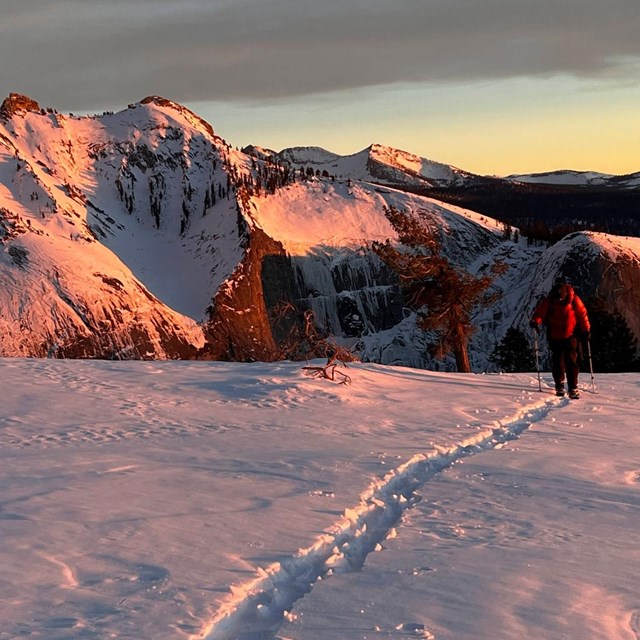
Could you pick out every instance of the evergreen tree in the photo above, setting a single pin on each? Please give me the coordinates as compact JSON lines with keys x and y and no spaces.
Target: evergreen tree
{"x":514,"y":353}
{"x":614,"y":347}
{"x":444,"y":295}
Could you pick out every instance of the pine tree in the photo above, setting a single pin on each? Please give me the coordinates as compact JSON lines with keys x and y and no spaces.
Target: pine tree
{"x":513,"y":353}
{"x":444,"y":295}
{"x":614,"y":347}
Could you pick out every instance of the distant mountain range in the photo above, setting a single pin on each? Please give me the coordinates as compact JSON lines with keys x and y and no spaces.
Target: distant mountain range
{"x":544,"y":205}
{"x":143,"y":234}
{"x":378,"y":162}
{"x":548,"y":205}
{"x":581,"y":178}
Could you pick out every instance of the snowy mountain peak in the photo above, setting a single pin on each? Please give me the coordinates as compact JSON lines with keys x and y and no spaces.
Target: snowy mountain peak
{"x":165,"y":104}
{"x":162,"y":102}
{"x":394,"y":156}
{"x":107,"y":246}
{"x":379,"y":163}
{"x":262,"y":153}
{"x":416,"y":166}
{"x":563,"y":177}
{"x":308,"y":155}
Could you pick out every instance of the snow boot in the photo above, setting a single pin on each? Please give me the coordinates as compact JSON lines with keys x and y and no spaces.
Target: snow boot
{"x":559,"y":391}
{"x":574,"y":394}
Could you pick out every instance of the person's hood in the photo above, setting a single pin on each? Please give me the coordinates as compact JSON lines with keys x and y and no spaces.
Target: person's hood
{"x":562,"y":293}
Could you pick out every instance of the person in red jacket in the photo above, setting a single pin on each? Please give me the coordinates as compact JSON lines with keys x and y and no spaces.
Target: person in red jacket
{"x":565,"y":317}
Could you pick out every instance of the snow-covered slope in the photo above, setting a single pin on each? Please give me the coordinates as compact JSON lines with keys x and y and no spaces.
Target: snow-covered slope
{"x":211,"y":501}
{"x":600,"y":266}
{"x":579,"y":178}
{"x":113,"y":221}
{"x":378,"y":163}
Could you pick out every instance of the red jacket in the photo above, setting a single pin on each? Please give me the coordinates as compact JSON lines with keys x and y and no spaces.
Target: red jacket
{"x":563,"y":313}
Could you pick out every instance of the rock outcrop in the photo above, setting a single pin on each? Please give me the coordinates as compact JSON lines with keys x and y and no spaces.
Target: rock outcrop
{"x":603,"y":269}
{"x":15,"y":103}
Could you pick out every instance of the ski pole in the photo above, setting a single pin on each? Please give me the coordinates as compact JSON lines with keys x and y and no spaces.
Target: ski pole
{"x":593,"y":383}
{"x":535,"y":347}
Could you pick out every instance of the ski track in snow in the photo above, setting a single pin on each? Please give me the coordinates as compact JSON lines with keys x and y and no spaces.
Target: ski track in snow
{"x":256,"y":609}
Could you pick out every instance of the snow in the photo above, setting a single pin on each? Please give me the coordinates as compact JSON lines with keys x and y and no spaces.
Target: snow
{"x":579,"y":179}
{"x":90,"y":154}
{"x":322,"y":213}
{"x":184,"y":500}
{"x":324,"y":224}
{"x":619,"y":251}
{"x":566,"y":177}
{"x":96,"y":225}
{"x":401,"y":165}
{"x":415,"y":165}
{"x":616,"y":247}
{"x":308,"y":155}
{"x":325,"y":214}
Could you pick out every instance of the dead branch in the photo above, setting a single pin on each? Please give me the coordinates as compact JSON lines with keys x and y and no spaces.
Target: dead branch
{"x":329,"y":371}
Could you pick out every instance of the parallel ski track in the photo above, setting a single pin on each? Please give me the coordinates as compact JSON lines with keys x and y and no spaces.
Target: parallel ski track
{"x":256,"y":609}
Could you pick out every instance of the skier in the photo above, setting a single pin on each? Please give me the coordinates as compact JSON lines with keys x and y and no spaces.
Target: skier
{"x":566,"y":319}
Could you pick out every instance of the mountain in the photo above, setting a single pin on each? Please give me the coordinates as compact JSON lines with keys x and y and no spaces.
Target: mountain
{"x":546,"y":206}
{"x":144,"y":234}
{"x":93,"y":212}
{"x":378,"y":163}
{"x":579,"y":178}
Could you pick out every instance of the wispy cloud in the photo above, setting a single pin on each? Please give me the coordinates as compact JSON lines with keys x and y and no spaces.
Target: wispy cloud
{"x":89,"y":54}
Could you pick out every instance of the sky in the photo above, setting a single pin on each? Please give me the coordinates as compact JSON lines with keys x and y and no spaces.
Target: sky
{"x":494,"y":87}
{"x":216,"y":501}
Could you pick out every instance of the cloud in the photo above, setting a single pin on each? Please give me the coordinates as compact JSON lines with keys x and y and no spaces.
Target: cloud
{"x":91,"y":54}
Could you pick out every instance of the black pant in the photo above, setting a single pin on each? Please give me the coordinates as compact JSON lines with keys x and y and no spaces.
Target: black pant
{"x":564,"y":360}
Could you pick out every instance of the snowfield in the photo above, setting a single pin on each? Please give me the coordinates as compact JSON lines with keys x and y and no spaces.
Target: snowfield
{"x":217,"y":501}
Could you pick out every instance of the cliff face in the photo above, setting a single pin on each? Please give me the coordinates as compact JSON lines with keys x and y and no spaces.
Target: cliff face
{"x":619,"y":290}
{"x":243,"y":321}
{"x":350,"y":294}
{"x":607,"y":270}
{"x":603,"y":269}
